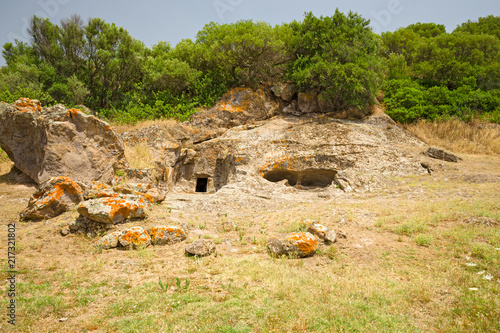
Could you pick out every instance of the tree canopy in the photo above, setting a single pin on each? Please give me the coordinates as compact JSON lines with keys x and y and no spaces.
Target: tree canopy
{"x":424,"y":71}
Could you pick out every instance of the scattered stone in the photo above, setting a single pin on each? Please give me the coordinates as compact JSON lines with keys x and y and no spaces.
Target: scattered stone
{"x":318,"y":230}
{"x":330,"y":237}
{"x":482,"y":220}
{"x":61,"y":320}
{"x":114,"y":210}
{"x":134,"y":237}
{"x":294,"y":245}
{"x":201,"y":247}
{"x":441,"y":155}
{"x":56,"y":196}
{"x":162,"y":235}
{"x":110,"y":241}
{"x":229,"y":226}
{"x":49,"y":142}
{"x":65,"y":231}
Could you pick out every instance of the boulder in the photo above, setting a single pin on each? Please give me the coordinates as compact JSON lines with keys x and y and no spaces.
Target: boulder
{"x":110,"y":241}
{"x":134,"y":237}
{"x":54,"y":197}
{"x":294,"y":245}
{"x":162,"y":235}
{"x":441,"y":155}
{"x":114,"y":210}
{"x":285,"y":91}
{"x":49,"y":142}
{"x":201,"y":247}
{"x":308,"y":102}
{"x":318,"y":230}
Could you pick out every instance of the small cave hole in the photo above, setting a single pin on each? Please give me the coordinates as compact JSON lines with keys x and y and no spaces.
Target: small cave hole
{"x":201,"y":185}
{"x":279,"y":175}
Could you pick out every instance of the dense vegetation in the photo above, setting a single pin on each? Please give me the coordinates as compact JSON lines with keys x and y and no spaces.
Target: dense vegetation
{"x":424,"y":71}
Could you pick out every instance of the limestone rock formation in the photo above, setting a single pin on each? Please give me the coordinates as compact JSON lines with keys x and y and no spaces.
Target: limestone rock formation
{"x":237,"y":107}
{"x":201,"y":247}
{"x":57,"y":195}
{"x":294,"y":245}
{"x":50,"y":142}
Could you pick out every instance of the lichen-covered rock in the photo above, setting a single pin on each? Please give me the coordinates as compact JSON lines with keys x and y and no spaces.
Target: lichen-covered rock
{"x":237,"y":107}
{"x":55,"y":197}
{"x":134,"y":237}
{"x":99,"y":190}
{"x":318,"y":230}
{"x":294,"y":245}
{"x":110,"y":241}
{"x":49,"y":142}
{"x":201,"y":247}
{"x":162,"y":235}
{"x":114,"y":210}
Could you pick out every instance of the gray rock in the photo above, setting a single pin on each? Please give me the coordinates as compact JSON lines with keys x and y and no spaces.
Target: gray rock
{"x":441,"y":155}
{"x":294,"y":245}
{"x":201,"y":247}
{"x":49,"y":142}
{"x":56,"y":196}
{"x":162,"y":235}
{"x":134,"y":237}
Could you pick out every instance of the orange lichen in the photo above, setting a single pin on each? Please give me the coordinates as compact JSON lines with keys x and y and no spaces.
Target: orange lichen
{"x":73,"y":112}
{"x":61,"y":186}
{"x":135,"y":236}
{"x":24,"y":104}
{"x":305,"y":242}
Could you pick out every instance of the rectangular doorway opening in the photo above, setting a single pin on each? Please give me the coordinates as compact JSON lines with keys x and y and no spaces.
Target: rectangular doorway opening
{"x":201,"y":185}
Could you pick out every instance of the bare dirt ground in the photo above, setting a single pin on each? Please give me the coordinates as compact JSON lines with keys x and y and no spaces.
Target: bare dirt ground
{"x":420,"y":254}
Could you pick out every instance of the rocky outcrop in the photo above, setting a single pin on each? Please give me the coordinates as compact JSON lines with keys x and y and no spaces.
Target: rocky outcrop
{"x":50,"y":142}
{"x":294,"y":245}
{"x":56,"y":196}
{"x":237,"y":107}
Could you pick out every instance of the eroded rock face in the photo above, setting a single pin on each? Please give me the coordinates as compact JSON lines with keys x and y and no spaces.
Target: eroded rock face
{"x":114,"y":209}
{"x":57,"y":195}
{"x":50,"y":142}
{"x":294,"y":245}
{"x":237,"y":107}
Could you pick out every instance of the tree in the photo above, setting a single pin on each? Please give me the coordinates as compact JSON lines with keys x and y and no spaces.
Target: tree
{"x":336,"y":56}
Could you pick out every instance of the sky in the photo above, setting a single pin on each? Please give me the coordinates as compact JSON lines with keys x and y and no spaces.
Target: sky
{"x":151,"y":21}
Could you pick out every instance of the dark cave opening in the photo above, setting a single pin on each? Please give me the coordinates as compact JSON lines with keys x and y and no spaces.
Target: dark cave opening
{"x":201,"y":185}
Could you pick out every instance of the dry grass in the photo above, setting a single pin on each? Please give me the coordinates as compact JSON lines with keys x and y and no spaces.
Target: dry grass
{"x":140,"y":156}
{"x":403,"y":267}
{"x":475,"y":137}
{"x":122,"y":128}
